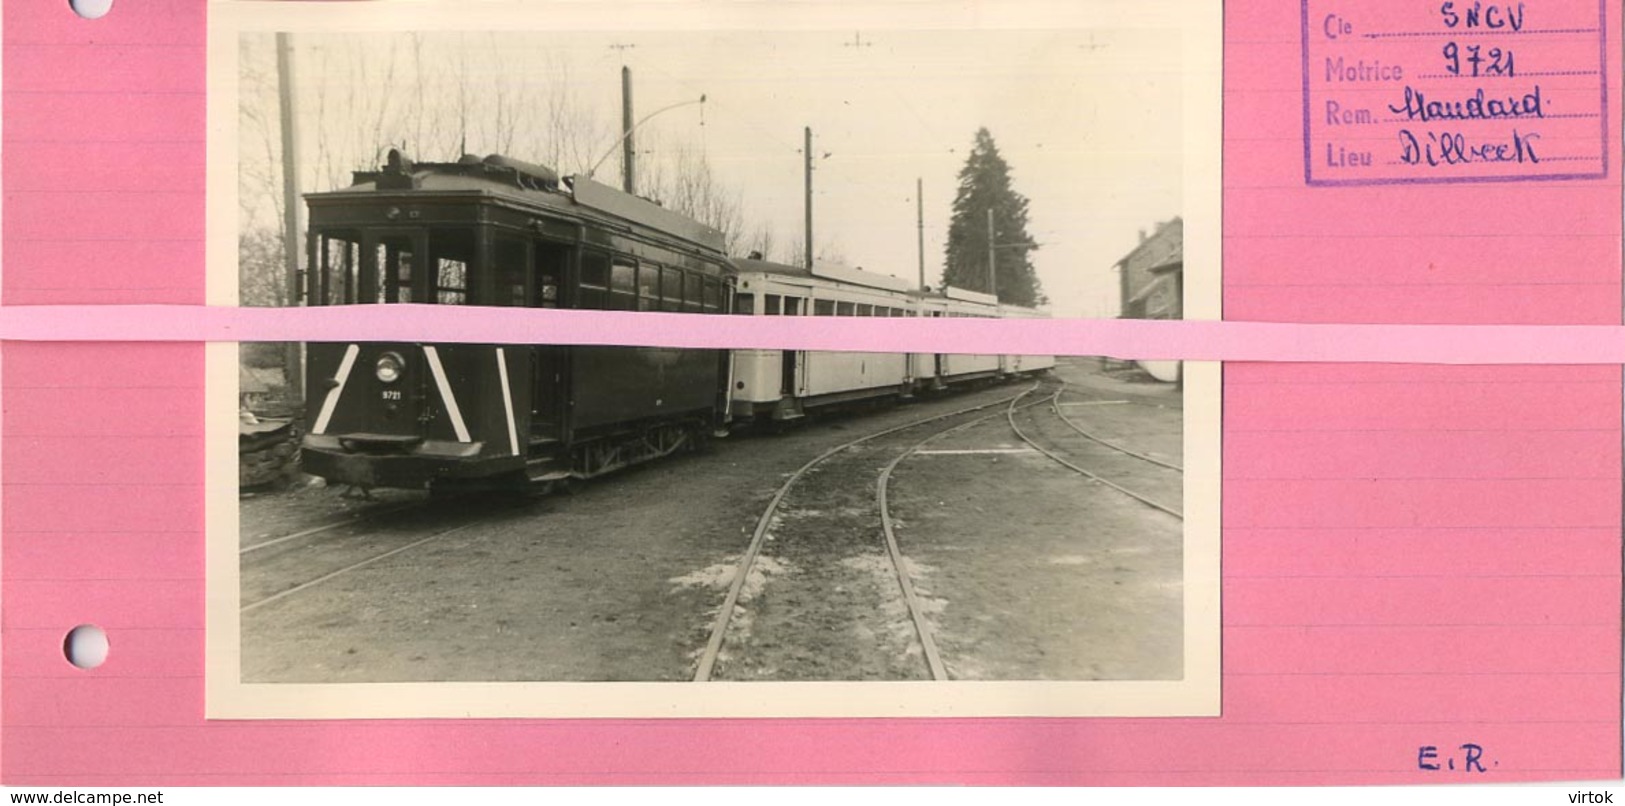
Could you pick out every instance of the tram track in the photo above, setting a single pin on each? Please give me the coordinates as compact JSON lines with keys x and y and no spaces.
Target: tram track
{"x":836,"y":521}
{"x":350,"y":556}
{"x":1099,"y":478}
{"x":258,"y":603}
{"x":337,"y":523}
{"x":1056,"y":404}
{"x":939,"y":670}
{"x":721,"y":625}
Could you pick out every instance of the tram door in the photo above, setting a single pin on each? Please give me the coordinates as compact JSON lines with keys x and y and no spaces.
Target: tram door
{"x":548,"y":267}
{"x":939,"y":358}
{"x":788,"y":364}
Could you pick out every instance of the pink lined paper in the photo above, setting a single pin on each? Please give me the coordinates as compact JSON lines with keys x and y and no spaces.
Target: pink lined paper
{"x":1413,"y":555}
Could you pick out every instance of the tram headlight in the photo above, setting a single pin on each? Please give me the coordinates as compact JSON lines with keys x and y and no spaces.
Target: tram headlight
{"x":389,"y":367}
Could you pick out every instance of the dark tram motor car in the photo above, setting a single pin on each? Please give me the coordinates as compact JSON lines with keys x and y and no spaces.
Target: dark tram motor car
{"x":499,"y":232}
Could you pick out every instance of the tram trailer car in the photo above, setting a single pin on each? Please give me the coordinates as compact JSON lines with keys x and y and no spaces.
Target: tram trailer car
{"x":962,"y":303}
{"x":1024,"y":364}
{"x":504,"y":233}
{"x":786,"y":384}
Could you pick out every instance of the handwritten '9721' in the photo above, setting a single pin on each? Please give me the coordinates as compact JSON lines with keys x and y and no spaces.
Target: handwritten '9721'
{"x":1479,"y":62}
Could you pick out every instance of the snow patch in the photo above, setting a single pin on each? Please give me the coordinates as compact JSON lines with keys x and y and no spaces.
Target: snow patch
{"x":720,"y":576}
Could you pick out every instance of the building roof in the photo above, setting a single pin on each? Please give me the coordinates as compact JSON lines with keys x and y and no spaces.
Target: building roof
{"x":1156,"y":239}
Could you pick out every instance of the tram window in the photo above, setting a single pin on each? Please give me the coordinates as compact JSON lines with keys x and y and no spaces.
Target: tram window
{"x":594,"y":280}
{"x":451,"y":282}
{"x":451,"y":251}
{"x":692,"y":295}
{"x":394,"y":260}
{"x":823,"y":307}
{"x":623,"y":286}
{"x":595,"y":270}
{"x":745,"y":304}
{"x":792,"y":306}
{"x":843,"y":309}
{"x":866,"y":310}
{"x":552,"y":265}
{"x":648,"y":287}
{"x":671,"y":289}
{"x":341,"y":270}
{"x":509,"y":271}
{"x":713,"y":294}
{"x":770,"y":304}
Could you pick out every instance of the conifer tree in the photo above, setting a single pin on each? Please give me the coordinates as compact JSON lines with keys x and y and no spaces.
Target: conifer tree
{"x":984,"y":183}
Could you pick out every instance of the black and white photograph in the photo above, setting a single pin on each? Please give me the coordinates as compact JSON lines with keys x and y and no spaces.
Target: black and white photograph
{"x":572,"y":529}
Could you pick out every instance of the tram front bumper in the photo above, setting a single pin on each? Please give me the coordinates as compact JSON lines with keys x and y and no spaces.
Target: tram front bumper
{"x":325,"y":456}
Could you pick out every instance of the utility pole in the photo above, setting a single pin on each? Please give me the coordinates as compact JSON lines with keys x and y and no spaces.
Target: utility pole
{"x":992,"y":267}
{"x":919,"y":223}
{"x":628,"y":165}
{"x":806,"y":162}
{"x":292,"y":246}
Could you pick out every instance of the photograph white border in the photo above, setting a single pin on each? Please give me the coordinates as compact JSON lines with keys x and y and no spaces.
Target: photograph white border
{"x":1197,"y":694}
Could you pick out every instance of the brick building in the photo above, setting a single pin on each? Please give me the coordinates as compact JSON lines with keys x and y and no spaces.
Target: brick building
{"x":1152,"y":276}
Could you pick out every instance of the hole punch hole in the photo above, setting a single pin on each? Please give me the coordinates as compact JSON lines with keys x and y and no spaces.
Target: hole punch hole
{"x":91,"y":9}
{"x":85,"y":646}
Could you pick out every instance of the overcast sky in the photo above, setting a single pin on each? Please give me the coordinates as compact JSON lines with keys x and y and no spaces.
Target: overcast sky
{"x":1089,"y":122}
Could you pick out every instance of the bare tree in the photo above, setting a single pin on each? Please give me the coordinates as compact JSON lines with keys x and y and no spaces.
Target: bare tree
{"x":828,"y":252}
{"x":684,"y":181}
{"x":761,"y":242}
{"x":433,"y":95}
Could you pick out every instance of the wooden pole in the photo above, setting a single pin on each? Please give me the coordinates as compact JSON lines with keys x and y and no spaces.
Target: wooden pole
{"x":992,"y":266}
{"x":292,"y":242}
{"x":628,"y":158}
{"x":806,"y":167}
{"x":919,"y":223}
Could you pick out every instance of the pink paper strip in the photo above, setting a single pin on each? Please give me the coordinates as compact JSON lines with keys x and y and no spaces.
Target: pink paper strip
{"x":1121,"y":338}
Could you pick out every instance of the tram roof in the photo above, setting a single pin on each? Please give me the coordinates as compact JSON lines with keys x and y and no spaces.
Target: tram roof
{"x":826,"y":271}
{"x":525,"y":185}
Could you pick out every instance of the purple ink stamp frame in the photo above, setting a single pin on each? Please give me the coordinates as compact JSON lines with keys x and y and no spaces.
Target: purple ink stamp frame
{"x":1602,"y":173}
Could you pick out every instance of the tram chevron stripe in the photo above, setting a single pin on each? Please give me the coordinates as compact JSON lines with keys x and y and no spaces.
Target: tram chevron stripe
{"x":507,"y":401}
{"x":446,"y":396}
{"x":332,"y":400}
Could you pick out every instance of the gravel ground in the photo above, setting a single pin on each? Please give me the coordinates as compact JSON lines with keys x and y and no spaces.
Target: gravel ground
{"x":1026,"y":569}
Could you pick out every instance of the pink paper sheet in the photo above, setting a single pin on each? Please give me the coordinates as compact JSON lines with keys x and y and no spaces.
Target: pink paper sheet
{"x":1413,"y":555}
